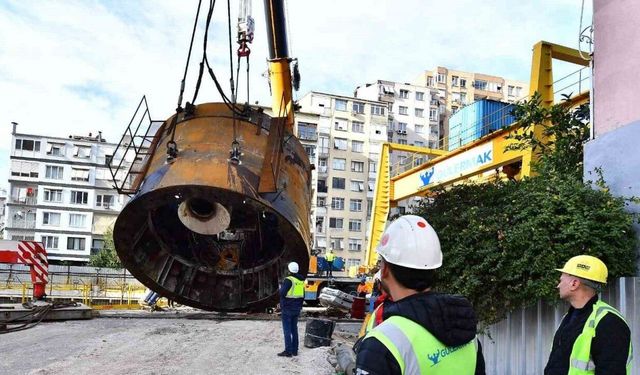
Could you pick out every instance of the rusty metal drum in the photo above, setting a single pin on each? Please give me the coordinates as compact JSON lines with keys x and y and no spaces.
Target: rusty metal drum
{"x":214,"y":224}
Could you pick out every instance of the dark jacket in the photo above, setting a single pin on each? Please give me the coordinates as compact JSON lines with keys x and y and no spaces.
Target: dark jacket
{"x":290,"y":306}
{"x":609,"y":349}
{"x":450,"y":319}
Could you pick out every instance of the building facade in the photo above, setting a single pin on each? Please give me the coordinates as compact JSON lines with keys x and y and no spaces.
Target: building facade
{"x":3,"y":201}
{"x":61,"y":193}
{"x":456,"y":88}
{"x":350,"y":132}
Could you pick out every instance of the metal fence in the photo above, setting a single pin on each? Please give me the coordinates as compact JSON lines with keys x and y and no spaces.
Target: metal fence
{"x":521,"y":343}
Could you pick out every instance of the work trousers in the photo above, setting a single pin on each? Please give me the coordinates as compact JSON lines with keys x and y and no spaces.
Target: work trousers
{"x":290,"y":329}
{"x":329,"y":268}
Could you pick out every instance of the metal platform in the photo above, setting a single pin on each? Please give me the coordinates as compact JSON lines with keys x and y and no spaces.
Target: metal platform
{"x":17,"y":312}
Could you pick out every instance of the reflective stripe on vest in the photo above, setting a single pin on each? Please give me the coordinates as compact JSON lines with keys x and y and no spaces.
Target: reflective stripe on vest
{"x":297,"y":288}
{"x":371,"y":324}
{"x":417,"y":351}
{"x":580,"y":362}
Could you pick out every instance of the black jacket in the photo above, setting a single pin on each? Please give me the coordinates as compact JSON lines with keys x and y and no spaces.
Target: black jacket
{"x":450,"y":319}
{"x":290,"y":306}
{"x":609,"y":349}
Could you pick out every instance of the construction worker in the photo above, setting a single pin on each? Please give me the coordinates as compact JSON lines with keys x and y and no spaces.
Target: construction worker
{"x":330,"y":257}
{"x":593,"y":338}
{"x":423,"y":332}
{"x":291,"y":299}
{"x":362,"y":288}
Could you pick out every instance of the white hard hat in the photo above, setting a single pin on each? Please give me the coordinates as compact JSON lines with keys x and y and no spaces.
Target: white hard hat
{"x":411,"y":242}
{"x":293,"y":267}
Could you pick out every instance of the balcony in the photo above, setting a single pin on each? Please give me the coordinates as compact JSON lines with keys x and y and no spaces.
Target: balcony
{"x":323,"y":169}
{"x":21,"y":223}
{"x":31,"y":201}
{"x":323,"y":152}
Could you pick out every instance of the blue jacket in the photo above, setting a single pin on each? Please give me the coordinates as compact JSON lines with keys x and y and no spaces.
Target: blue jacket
{"x":290,"y":306}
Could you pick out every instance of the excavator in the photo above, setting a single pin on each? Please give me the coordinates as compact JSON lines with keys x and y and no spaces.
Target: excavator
{"x":220,"y":192}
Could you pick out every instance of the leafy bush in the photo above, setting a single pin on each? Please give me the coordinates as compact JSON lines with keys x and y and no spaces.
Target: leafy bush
{"x":107,"y":257}
{"x":502,"y":241}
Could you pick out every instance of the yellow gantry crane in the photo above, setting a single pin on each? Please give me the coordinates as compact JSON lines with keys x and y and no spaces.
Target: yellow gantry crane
{"x":485,"y":154}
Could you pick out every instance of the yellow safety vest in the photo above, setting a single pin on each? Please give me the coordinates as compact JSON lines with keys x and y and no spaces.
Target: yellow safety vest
{"x":580,"y":362}
{"x":330,"y":257}
{"x":297,"y":288}
{"x":417,"y":351}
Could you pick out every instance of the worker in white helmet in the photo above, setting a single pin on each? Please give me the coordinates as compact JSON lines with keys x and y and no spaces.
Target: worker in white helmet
{"x":291,"y":299}
{"x":422,"y":332}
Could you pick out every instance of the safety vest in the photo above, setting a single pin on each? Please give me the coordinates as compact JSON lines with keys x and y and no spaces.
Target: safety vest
{"x":371,"y":324}
{"x":297,"y":288}
{"x":330,"y":257}
{"x":417,"y":351}
{"x":580,"y":362}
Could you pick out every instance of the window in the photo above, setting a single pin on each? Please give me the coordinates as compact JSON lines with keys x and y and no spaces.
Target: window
{"x":79,"y":174}
{"x":441,"y":78}
{"x":355,"y":244}
{"x":50,"y":242}
{"x":307,"y":131}
{"x":454,"y":109}
{"x":340,"y":144}
{"x":55,"y":149}
{"x":310,"y":151}
{"x":51,"y":218}
{"x":463,"y":82}
{"x":75,"y":243}
{"x":369,"y":207}
{"x":337,"y":203}
{"x":339,"y":164}
{"x":357,"y":185}
{"x":356,"y":146}
{"x":53,"y":195}
{"x":322,"y":186}
{"x":419,"y":112}
{"x":377,"y":110}
{"x":403,"y":110}
{"x":404,"y":94}
{"x":79,"y":197}
{"x":402,"y":141}
{"x":338,"y":183}
{"x":24,"y":169}
{"x":480,"y":84}
{"x":419,"y":129}
{"x":105,"y":201}
{"x":321,"y":201}
{"x":77,"y":220}
{"x":454,"y":80}
{"x":402,"y":127}
{"x":429,"y":81}
{"x":97,"y":244}
{"x":402,"y":159}
{"x":27,"y":145}
{"x":357,"y":166}
{"x":54,"y":172}
{"x":355,"y":225}
{"x":419,"y":96}
{"x":372,"y":166}
{"x":82,"y":152}
{"x":358,"y":107}
{"x":340,"y":124}
{"x":335,"y":222}
{"x":463,"y":97}
{"x":341,"y":105}
{"x":323,"y":145}
{"x":419,"y":143}
{"x":357,"y":127}
{"x":355,"y":205}
{"x":433,"y":114}
{"x":337,"y":243}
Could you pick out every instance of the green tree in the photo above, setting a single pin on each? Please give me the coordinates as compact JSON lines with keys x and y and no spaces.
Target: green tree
{"x":502,"y":240}
{"x":107,"y":257}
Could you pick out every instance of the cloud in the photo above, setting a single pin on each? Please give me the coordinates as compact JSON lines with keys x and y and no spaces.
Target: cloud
{"x":76,"y":67}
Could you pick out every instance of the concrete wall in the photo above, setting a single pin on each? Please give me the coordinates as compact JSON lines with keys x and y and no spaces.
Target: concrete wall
{"x":616,"y":64}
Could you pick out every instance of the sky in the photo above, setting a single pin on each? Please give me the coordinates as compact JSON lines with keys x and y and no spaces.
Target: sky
{"x":77,"y":67}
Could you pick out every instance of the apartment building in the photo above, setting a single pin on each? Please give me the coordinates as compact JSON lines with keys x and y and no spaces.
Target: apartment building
{"x":456,"y":89}
{"x":350,"y":132}
{"x":60,"y":193}
{"x":3,"y":201}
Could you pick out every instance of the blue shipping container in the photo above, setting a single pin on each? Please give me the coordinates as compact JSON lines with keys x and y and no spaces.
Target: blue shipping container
{"x":477,"y":120}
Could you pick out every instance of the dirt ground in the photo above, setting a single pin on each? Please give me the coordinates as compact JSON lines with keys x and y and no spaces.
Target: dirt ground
{"x":157,"y":346}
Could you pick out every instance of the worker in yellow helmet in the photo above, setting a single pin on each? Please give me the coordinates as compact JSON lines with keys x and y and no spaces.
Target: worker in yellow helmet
{"x":593,"y":338}
{"x":422,"y":332}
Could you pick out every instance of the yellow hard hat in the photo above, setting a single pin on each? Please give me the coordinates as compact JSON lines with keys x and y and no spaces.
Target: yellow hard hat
{"x":586,"y":267}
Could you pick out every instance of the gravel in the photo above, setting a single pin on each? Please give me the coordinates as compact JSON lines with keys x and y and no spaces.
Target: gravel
{"x":157,"y":346}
